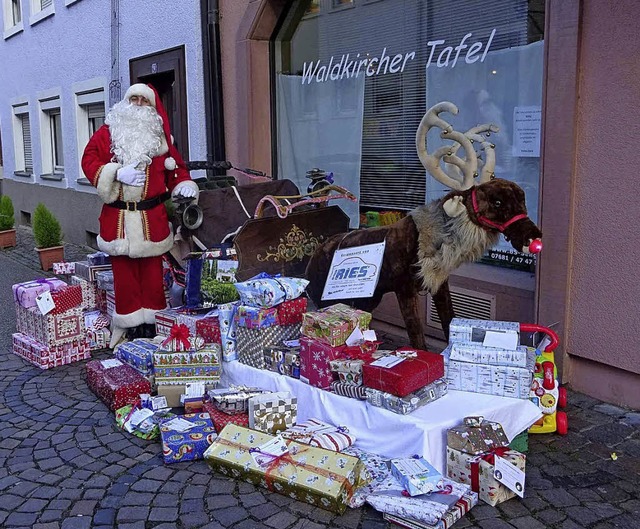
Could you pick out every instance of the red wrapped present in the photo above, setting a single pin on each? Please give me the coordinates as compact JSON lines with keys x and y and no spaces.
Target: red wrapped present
{"x":116,"y":386}
{"x":208,"y":329}
{"x":290,"y":312}
{"x":221,"y":419}
{"x":415,"y":370}
{"x":66,"y":298}
{"x":315,"y":357}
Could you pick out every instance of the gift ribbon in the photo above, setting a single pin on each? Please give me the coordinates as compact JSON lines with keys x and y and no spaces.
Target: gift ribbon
{"x":179,"y":333}
{"x":489,"y":457}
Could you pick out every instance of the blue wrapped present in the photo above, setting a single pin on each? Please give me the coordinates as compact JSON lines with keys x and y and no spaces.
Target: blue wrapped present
{"x":138,"y":354}
{"x":267,"y":291}
{"x":255,"y":317}
{"x":186,"y":437}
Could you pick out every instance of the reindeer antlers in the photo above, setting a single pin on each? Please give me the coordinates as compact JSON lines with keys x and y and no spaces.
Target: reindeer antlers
{"x":467,"y":168}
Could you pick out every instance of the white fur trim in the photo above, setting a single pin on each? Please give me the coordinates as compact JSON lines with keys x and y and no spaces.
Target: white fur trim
{"x":134,"y":245}
{"x":132,"y":193}
{"x":108,"y":187}
{"x":454,"y":207}
{"x":141,"y":89}
{"x":125,"y":321}
{"x":170,"y":164}
{"x":164,"y":148}
{"x":182,"y":185}
{"x":150,"y":315}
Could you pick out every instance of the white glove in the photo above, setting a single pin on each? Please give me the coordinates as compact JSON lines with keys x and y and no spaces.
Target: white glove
{"x":185,"y":192}
{"x":131,"y":176}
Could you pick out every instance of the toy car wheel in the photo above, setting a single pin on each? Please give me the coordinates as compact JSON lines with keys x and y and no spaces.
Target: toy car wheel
{"x":562,"y":397}
{"x":562,"y":424}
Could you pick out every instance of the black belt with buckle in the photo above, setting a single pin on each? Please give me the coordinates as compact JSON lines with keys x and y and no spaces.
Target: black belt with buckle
{"x":141,"y":205}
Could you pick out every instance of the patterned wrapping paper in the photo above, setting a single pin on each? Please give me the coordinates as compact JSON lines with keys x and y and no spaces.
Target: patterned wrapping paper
{"x":104,"y":280}
{"x":349,"y":370}
{"x":122,"y":416}
{"x":25,"y":294}
{"x":476,"y":436}
{"x":189,"y":373}
{"x":99,"y":338}
{"x":228,"y":331}
{"x":282,"y":359}
{"x":416,"y":475}
{"x":98,"y":258}
{"x":266,"y":291}
{"x":291,"y":312}
{"x":67,"y":298}
{"x":477,"y":354}
{"x":349,"y":390}
{"x":427,"y":508}
{"x":191,"y":444}
{"x":320,"y":434}
{"x":110,"y":303}
{"x":255,"y":317}
{"x":334,"y":324}
{"x":88,"y":272}
{"x":470,"y":330}
{"x":138,"y":354}
{"x":413,"y":373}
{"x":461,"y":507}
{"x":116,"y":386}
{"x":410,"y":403}
{"x":47,"y":357}
{"x":51,"y":329}
{"x":221,"y":419}
{"x":501,"y":381}
{"x":167,"y":318}
{"x":273,"y":412}
{"x":208,"y":328}
{"x":233,"y":400}
{"x":460,"y":467}
{"x":251,"y":342}
{"x":378,"y":473}
{"x":64,"y":268}
{"x":92,"y":296}
{"x":315,"y":358}
{"x":313,"y":475}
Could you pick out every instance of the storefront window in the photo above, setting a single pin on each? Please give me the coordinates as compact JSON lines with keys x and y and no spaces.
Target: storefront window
{"x":355,"y":77}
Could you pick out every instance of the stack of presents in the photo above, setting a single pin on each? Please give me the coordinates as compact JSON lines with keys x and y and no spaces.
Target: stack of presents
{"x":253,"y":434}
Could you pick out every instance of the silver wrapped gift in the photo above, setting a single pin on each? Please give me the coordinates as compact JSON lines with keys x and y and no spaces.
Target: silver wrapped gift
{"x":411,"y":402}
{"x":233,"y":400}
{"x":250,"y":343}
{"x":478,"y":354}
{"x":470,"y":330}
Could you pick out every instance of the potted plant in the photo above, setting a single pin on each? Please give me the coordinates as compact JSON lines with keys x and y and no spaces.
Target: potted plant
{"x":7,"y":222}
{"x":48,"y":236}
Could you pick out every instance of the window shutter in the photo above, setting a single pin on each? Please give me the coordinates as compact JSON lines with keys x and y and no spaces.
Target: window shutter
{"x":26,"y":142}
{"x":45,"y":3}
{"x":95,"y":111}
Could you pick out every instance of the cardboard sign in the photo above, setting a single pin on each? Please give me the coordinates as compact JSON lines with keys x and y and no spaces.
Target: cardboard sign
{"x":354,"y":272}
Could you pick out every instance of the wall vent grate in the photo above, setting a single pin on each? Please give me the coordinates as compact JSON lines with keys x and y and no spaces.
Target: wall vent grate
{"x":466,"y":304}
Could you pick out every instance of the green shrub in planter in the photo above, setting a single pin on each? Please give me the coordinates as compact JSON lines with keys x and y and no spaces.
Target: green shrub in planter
{"x":46,"y":228}
{"x":7,"y":220}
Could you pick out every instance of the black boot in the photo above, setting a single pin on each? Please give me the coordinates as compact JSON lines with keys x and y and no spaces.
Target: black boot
{"x":149,"y":330}
{"x":135,"y":332}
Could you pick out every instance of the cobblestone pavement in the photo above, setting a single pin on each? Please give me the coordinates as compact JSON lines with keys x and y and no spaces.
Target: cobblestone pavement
{"x":64,"y":464}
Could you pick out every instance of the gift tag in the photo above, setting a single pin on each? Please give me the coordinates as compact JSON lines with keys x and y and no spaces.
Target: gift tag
{"x":265,"y":454}
{"x":179,"y":425}
{"x":501,"y":340}
{"x":356,"y":337}
{"x":158,"y":403}
{"x":140,"y":415}
{"x":45,"y":302}
{"x":509,"y":475}
{"x":112,"y":362}
{"x":292,"y":343}
{"x":194,"y":389}
{"x":387,"y":361}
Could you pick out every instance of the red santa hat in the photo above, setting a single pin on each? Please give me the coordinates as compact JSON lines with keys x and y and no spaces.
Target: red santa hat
{"x":150,"y":93}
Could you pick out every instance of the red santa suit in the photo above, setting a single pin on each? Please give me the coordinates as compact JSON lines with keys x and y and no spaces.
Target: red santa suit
{"x":136,"y":238}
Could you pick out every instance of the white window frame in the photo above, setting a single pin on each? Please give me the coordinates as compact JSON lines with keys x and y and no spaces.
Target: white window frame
{"x":49,"y":103}
{"x":20,"y":108}
{"x":11,"y":28}
{"x":87,"y":93}
{"x":38,"y":13}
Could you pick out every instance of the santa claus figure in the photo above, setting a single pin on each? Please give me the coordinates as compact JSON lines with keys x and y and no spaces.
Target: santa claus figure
{"x":132,"y":162}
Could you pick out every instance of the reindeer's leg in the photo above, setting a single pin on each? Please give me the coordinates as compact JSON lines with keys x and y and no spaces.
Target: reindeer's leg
{"x":444,"y":306}
{"x":408,"y":301}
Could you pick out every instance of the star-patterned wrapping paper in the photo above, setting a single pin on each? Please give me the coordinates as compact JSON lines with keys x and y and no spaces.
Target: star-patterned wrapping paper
{"x":250,"y":343}
{"x":116,"y":386}
{"x":51,"y":329}
{"x":320,"y":477}
{"x":189,"y":445}
{"x":47,"y":357}
{"x":334,"y":324}
{"x":208,"y":328}
{"x":315,"y":359}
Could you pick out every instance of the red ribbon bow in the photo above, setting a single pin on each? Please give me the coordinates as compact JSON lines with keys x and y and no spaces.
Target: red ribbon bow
{"x":489,"y":457}
{"x":179,"y":333}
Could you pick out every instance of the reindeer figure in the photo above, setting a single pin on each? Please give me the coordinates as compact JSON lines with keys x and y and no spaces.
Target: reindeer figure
{"x":433,"y":240}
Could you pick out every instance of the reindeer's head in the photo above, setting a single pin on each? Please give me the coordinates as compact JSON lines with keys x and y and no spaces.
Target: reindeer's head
{"x":492,"y":203}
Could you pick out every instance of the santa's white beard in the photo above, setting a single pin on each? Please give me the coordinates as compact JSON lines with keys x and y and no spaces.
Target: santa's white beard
{"x":136,"y":133}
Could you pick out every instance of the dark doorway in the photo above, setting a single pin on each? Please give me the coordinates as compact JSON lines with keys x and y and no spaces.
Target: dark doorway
{"x":166,"y":72}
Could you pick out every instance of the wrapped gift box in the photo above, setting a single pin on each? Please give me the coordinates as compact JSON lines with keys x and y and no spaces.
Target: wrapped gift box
{"x":66,"y":298}
{"x":501,"y":381}
{"x":349,"y":370}
{"x":116,"y":386}
{"x":221,"y":419}
{"x":273,"y":412}
{"x":187,"y":445}
{"x":478,"y":354}
{"x":138,"y":354}
{"x":255,"y":317}
{"x":476,"y":436}
{"x":321,"y":434}
{"x":233,"y":400}
{"x":25,"y":294}
{"x":228,"y":331}
{"x":208,"y":328}
{"x":64,"y":268}
{"x":411,"y":402}
{"x":377,"y":468}
{"x":477,"y":471}
{"x":470,"y":330}
{"x":315,"y":358}
{"x":110,"y":303}
{"x":181,"y":366}
{"x":99,"y":338}
{"x":283,"y":359}
{"x":417,"y":476}
{"x":47,"y":357}
{"x":313,"y":475}
{"x":250,"y":343}
{"x":266,"y":291}
{"x":291,"y":312}
{"x":334,"y":324}
{"x":98,"y":258}
{"x":349,"y":390}
{"x":92,"y":296}
{"x":416,"y":370}
{"x":51,"y":329}
{"x":104,"y":280}
{"x":123,"y":417}
{"x":455,"y":513}
{"x":88,"y":271}
{"x":167,"y":318}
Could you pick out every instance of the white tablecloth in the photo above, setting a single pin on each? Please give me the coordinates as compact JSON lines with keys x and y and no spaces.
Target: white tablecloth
{"x":382,"y":432}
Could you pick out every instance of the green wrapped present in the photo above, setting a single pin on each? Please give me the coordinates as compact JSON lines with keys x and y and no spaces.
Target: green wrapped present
{"x":122,"y":418}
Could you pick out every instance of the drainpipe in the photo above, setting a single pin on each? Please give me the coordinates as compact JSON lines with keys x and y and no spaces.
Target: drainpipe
{"x":114,"y":84}
{"x":211,"y":53}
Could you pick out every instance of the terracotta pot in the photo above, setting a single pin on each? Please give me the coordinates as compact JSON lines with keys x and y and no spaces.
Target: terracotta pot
{"x":8,"y":238}
{"x":48,"y":256}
